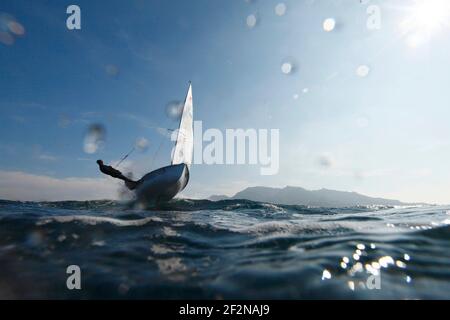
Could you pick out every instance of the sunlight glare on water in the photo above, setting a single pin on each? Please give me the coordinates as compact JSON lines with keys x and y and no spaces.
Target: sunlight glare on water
{"x":326,"y":275}
{"x":165,"y":246}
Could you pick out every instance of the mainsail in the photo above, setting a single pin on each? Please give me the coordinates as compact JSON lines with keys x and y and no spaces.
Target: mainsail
{"x":184,"y":146}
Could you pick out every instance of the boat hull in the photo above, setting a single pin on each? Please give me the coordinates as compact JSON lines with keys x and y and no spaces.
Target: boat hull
{"x":163,"y":184}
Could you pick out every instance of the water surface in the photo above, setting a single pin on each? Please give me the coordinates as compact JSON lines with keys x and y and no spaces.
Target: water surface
{"x":223,"y":250}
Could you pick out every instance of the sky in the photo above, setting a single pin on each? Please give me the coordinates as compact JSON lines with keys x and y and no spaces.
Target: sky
{"x":361,"y":109}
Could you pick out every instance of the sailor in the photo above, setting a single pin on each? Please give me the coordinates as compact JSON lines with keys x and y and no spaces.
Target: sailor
{"x":110,"y":171}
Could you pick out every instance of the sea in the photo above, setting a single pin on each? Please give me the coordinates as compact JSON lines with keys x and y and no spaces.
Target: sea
{"x":231,"y":249}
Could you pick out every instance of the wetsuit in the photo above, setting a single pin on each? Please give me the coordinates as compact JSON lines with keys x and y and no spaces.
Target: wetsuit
{"x":110,"y":171}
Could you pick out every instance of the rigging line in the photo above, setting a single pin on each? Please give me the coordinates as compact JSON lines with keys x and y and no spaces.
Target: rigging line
{"x":126,"y":156}
{"x":163,"y":140}
{"x":157,"y":152}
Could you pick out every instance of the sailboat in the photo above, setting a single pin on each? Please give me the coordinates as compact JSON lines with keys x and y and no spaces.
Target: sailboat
{"x":163,"y":184}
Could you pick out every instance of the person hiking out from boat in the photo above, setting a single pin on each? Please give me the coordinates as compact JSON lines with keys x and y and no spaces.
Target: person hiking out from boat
{"x":110,"y":171}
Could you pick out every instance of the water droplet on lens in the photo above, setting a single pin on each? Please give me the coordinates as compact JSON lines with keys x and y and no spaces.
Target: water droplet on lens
{"x":6,"y":38}
{"x":111,"y":70}
{"x":325,"y":160}
{"x":174,"y":110}
{"x":329,"y":24}
{"x":35,"y":239}
{"x":280,"y":9}
{"x":252,"y":21}
{"x":287,"y":66}
{"x":16,"y":28}
{"x":94,"y":138}
{"x":142,"y":144}
{"x":64,"y":121}
{"x":362,"y":71}
{"x":9,"y":27}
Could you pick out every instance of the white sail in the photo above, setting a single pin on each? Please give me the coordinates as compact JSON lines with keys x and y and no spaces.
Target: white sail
{"x":184,"y":146}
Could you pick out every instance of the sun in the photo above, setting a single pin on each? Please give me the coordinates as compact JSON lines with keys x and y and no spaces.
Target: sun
{"x":425,"y":19}
{"x":431,"y":14}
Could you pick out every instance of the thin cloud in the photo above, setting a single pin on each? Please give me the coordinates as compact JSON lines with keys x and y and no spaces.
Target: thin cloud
{"x":39,"y":154}
{"x":47,"y":157}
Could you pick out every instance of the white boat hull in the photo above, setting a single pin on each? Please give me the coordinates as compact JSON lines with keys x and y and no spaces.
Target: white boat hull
{"x":162,"y":184}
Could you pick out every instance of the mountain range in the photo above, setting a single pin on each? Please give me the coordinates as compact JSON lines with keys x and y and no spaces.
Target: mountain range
{"x":315,"y":198}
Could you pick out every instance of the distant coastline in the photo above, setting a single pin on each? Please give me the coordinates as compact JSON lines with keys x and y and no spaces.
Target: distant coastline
{"x":284,"y":196}
{"x":316,"y":198}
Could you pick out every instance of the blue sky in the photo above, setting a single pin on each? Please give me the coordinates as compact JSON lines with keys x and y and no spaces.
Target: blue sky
{"x":385,"y":134}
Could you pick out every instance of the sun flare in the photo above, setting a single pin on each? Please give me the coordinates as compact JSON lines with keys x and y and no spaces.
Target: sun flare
{"x":426,"y":18}
{"x":431,"y":14}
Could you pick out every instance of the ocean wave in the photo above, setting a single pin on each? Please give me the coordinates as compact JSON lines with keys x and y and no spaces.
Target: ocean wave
{"x":229,"y":248}
{"x":94,"y":220}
